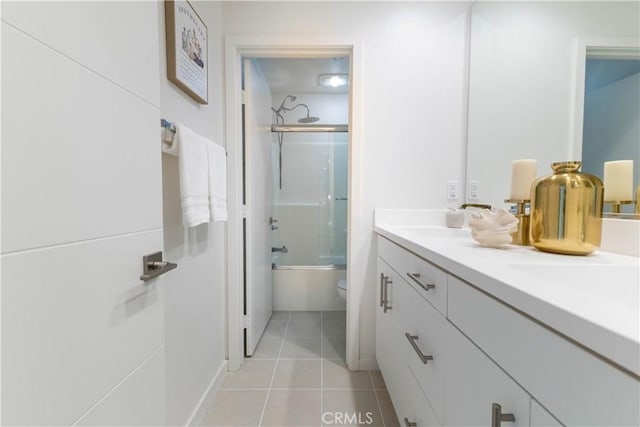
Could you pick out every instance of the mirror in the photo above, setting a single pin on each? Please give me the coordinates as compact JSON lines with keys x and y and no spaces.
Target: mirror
{"x":527,"y":85}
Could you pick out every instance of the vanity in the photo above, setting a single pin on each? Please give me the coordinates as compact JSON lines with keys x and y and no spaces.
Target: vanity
{"x":467,"y":335}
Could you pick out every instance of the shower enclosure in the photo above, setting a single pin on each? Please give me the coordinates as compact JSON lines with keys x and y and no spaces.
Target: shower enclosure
{"x":310,"y":206}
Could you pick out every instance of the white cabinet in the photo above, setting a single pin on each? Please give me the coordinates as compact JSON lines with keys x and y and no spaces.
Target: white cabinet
{"x":454,"y":355}
{"x":475,"y":384}
{"x":394,"y":353}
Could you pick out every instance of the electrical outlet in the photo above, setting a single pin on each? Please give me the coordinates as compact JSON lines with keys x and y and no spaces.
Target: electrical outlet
{"x":474,"y":191}
{"x":452,"y":191}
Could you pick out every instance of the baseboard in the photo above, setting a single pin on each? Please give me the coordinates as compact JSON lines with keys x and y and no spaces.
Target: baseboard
{"x":198,"y":414}
{"x":368,"y":365}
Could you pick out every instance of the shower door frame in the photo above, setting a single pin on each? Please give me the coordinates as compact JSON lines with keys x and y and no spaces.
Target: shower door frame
{"x":237,"y":47}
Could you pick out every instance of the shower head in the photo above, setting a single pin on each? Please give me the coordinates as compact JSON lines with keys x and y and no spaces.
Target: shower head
{"x":283,"y":109}
{"x":308,"y":119}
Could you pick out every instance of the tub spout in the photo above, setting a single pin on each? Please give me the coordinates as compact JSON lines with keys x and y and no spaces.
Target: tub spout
{"x":283,"y":249}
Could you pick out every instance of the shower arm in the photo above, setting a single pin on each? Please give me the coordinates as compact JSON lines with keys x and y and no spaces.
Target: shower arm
{"x":296,"y":106}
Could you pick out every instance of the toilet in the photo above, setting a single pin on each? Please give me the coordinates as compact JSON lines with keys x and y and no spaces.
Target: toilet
{"x":342,"y":288}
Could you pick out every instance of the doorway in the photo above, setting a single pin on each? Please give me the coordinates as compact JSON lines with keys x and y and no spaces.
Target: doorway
{"x":239,"y":260}
{"x":295,"y":144}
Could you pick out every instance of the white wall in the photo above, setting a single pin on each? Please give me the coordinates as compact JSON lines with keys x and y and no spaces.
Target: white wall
{"x":522,"y":57}
{"x":612,"y":127}
{"x":82,"y":336}
{"x":196,"y":299}
{"x":413,"y":104}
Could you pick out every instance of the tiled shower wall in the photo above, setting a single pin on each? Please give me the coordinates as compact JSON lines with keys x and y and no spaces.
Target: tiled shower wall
{"x":312,"y":222}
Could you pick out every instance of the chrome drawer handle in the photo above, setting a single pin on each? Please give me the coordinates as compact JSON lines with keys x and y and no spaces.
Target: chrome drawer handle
{"x":386,"y":296}
{"x":497,"y":417}
{"x":408,"y":423}
{"x":412,"y":339}
{"x":416,"y":278}
{"x":381,"y":289}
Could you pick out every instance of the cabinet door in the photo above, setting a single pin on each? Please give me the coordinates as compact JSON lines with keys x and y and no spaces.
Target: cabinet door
{"x":475,"y":384}
{"x":428,"y":350}
{"x":392,"y":364}
{"x":383,"y":324}
{"x":418,"y":409}
{"x":541,"y":418}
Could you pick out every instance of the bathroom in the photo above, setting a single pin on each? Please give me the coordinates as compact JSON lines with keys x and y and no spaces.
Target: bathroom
{"x":296,"y":151}
{"x":86,"y":190}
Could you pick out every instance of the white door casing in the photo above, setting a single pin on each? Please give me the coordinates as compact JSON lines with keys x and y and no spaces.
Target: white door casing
{"x":237,"y":47}
{"x":258,"y":200}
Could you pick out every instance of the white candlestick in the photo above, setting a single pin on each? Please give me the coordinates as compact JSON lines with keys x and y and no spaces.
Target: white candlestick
{"x":618,"y":180}
{"x":523,"y":173}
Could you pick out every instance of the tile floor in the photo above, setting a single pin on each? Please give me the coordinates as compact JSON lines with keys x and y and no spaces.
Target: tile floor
{"x":298,"y":377}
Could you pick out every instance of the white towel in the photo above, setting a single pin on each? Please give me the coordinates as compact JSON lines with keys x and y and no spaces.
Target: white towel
{"x":217,"y":182}
{"x":193,"y":163}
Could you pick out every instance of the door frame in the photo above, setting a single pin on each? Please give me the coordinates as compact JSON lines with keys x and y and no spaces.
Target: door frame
{"x":237,"y":47}
{"x":580,"y":46}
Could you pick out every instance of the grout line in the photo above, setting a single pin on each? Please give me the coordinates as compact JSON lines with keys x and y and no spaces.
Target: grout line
{"x":275,"y":368}
{"x":384,"y":423}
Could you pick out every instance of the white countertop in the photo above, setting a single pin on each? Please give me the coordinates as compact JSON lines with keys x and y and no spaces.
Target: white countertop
{"x":594,"y":299}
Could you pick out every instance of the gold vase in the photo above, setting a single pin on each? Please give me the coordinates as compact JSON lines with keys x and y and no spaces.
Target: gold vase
{"x":566,"y":211}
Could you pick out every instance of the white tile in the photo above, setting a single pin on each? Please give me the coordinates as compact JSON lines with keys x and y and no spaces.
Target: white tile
{"x":73,"y":326}
{"x":334,"y":315}
{"x":314,"y":316}
{"x":253,"y":374}
{"x":268,"y":348}
{"x":305,"y":328}
{"x":275,"y":329}
{"x":292,"y":408}
{"x":335,"y":374}
{"x":80,"y":156}
{"x":377,"y":380}
{"x":297,"y":374}
{"x":78,"y":29}
{"x":139,"y":400}
{"x":332,"y":328}
{"x":334,"y":348}
{"x":360,"y":405}
{"x":235,"y":408}
{"x":301,"y":348}
{"x":280,"y":315}
{"x":386,"y":408}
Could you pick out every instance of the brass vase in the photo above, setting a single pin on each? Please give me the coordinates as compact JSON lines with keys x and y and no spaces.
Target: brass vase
{"x":566,"y":211}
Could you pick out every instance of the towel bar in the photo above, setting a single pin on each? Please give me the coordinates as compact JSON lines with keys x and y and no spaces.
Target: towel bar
{"x":172,"y":128}
{"x":168,"y":125}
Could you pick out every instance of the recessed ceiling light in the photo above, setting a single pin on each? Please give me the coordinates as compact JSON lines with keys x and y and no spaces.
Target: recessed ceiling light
{"x":333,"y":80}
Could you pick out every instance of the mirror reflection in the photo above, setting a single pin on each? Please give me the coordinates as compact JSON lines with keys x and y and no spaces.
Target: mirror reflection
{"x":611,"y":112}
{"x":528,"y":94}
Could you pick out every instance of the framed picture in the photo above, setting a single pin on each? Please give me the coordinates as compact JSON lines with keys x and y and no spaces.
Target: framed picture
{"x":187,"y":43}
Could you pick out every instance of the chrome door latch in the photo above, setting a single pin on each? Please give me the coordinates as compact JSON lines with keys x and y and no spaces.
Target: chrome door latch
{"x":153,"y":266}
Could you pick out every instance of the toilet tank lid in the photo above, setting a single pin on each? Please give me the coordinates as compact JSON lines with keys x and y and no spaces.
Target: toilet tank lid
{"x":342,"y":284}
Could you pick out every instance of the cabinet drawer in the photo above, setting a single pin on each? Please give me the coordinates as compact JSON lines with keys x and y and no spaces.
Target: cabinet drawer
{"x":417,"y":410}
{"x":426,"y":350}
{"x":575,"y":385}
{"x":426,"y":278}
{"x":475,"y":384}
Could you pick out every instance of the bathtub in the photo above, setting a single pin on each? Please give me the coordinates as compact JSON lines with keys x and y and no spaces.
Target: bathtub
{"x":307,"y":287}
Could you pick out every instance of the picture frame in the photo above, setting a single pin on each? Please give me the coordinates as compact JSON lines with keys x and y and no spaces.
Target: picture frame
{"x":187,"y":49}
